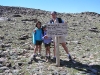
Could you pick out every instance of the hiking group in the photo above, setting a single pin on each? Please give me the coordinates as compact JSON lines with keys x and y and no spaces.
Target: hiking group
{"x":40,"y":36}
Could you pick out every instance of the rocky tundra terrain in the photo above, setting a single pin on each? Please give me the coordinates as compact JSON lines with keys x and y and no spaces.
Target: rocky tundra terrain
{"x":83,"y":41}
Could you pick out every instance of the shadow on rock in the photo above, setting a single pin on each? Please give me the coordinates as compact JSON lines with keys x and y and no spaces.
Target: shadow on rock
{"x":95,"y":69}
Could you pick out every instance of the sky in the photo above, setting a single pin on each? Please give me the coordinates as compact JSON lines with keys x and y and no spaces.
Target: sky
{"x":62,"y":6}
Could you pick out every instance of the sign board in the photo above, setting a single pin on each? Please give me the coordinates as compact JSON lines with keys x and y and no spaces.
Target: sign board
{"x":58,"y":29}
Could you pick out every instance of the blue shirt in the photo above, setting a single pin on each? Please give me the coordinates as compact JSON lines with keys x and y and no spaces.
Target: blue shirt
{"x":38,"y":34}
{"x":46,"y":40}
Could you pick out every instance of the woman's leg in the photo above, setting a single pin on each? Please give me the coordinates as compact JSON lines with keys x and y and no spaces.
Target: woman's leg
{"x":65,"y":47}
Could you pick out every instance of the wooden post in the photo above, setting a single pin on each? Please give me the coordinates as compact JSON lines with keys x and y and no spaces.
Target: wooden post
{"x":57,"y":51}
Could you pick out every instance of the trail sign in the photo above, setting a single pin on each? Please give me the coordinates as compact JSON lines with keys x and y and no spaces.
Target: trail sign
{"x":58,"y":29}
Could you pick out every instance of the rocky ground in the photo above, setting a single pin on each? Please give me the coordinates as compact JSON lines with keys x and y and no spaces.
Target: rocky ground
{"x":83,"y":41}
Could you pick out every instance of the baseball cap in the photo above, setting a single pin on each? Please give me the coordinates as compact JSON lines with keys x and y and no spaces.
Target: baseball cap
{"x":44,"y":26}
{"x":54,"y":12}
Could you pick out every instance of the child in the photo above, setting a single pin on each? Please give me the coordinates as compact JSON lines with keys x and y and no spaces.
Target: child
{"x":37,"y":39}
{"x":47,"y":42}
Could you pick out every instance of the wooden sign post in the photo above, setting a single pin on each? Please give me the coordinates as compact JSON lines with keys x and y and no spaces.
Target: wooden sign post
{"x":58,"y":29}
{"x":57,"y":51}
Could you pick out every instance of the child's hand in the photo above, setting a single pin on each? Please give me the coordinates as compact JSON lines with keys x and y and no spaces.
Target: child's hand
{"x":34,"y":31}
{"x":45,"y":36}
{"x":65,"y":22}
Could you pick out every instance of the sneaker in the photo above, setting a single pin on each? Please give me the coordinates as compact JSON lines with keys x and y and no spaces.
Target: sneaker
{"x":45,"y":57}
{"x":48,"y":58}
{"x":70,"y":58}
{"x":39,"y":54}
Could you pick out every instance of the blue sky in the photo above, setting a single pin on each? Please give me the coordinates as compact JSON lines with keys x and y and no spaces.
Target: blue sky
{"x":67,"y":6}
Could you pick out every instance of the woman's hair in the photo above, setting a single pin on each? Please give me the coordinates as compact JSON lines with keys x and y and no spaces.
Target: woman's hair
{"x":37,"y":23}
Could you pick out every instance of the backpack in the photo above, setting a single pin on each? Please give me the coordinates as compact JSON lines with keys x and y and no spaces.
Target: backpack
{"x":59,"y":20}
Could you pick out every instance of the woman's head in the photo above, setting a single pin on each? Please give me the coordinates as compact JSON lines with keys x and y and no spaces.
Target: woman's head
{"x":38,"y":24}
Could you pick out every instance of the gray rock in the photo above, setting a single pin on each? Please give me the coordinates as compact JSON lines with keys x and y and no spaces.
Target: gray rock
{"x":2,"y":74}
{"x":8,"y":65}
{"x":15,"y":72}
{"x":4,"y":68}
{"x":2,"y":60}
{"x":1,"y":65}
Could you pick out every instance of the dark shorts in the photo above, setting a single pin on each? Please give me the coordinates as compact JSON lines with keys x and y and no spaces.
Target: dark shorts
{"x":46,"y":45}
{"x":38,"y":42}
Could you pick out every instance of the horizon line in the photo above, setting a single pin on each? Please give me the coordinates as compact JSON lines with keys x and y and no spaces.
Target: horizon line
{"x":47,"y":10}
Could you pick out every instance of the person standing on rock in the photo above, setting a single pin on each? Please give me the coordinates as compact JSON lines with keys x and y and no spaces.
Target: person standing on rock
{"x":37,"y":39}
{"x":62,"y":39}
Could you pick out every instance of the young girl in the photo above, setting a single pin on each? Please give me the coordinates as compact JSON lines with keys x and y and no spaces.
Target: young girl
{"x":37,"y":39}
{"x":47,"y":42}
